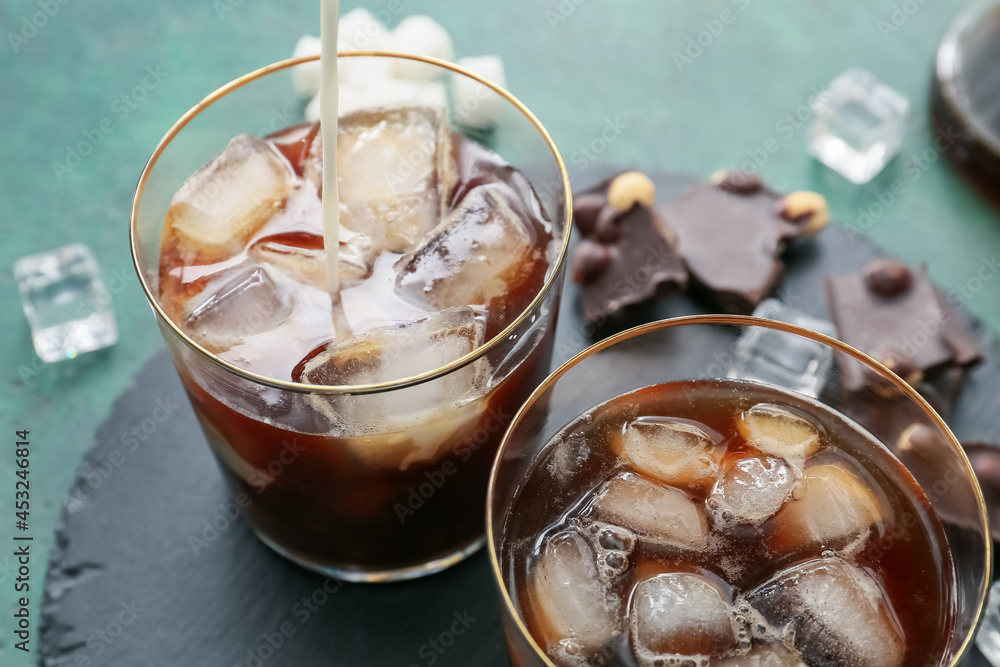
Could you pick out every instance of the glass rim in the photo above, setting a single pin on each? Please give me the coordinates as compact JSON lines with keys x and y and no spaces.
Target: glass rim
{"x":551,"y":280}
{"x":746,"y":321}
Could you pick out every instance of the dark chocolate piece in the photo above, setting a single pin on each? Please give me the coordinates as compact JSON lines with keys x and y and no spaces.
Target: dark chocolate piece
{"x":985,"y":460}
{"x":731,"y":235}
{"x":624,"y":259}
{"x":895,"y":314}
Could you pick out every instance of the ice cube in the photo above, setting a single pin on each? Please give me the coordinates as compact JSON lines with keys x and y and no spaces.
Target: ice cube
{"x":771,"y":655}
{"x":218,"y":209}
{"x":569,"y":598}
{"x":836,"y":611}
{"x":242,"y":302}
{"x":476,"y":105}
{"x":423,"y":36}
{"x":365,"y":91}
{"x":780,"y":358}
{"x":680,"y":616}
{"x":393,"y":353}
{"x":779,"y":432}
{"x":677,"y":452}
{"x":307,"y":264}
{"x":750,"y":489}
{"x":659,"y":513}
{"x":830,"y":508}
{"x":395,"y":168}
{"x":306,"y":77}
{"x":480,"y":254}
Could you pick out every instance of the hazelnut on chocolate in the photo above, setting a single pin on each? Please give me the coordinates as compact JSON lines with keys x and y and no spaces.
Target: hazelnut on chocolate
{"x":738,"y":182}
{"x":888,"y":277}
{"x":631,"y":188}
{"x":805,"y":208}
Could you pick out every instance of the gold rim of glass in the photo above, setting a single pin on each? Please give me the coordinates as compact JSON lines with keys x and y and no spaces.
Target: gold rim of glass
{"x":550,"y":281}
{"x":742,"y":320}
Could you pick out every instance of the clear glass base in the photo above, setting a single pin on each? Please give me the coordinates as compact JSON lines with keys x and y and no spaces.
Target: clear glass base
{"x":358,"y":575}
{"x":988,"y":639}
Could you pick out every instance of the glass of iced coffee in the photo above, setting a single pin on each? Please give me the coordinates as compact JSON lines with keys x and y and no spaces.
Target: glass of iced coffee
{"x":357,"y":431}
{"x":707,"y":491}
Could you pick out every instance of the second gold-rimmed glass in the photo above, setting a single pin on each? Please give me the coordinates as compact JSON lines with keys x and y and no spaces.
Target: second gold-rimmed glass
{"x":704,"y":347}
{"x":369,"y":506}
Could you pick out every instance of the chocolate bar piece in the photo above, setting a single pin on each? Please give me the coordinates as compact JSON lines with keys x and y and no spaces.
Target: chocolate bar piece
{"x":731,"y":233}
{"x":896,"y":315}
{"x":626,"y":255}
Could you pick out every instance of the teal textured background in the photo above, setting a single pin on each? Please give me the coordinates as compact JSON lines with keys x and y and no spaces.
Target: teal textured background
{"x":580,"y":65}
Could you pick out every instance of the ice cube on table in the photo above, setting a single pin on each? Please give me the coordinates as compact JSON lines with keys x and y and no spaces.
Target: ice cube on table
{"x":570,"y":601}
{"x":423,"y":36}
{"x":750,"y":489}
{"x":680,"y":616}
{"x":66,"y":303}
{"x":307,"y":264}
{"x":677,"y":452}
{"x":658,"y":513}
{"x":244,"y":301}
{"x":480,"y":254}
{"x":779,"y":432}
{"x":394,"y":353}
{"x":837,"y":612}
{"x":218,"y":209}
{"x":830,"y":508}
{"x":394,"y":171}
{"x":783,"y":359}
{"x":477,"y":105}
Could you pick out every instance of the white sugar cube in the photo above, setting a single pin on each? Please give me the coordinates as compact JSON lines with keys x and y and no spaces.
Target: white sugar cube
{"x":359,"y":30}
{"x":423,"y":36}
{"x":477,"y":105}
{"x":306,"y":77}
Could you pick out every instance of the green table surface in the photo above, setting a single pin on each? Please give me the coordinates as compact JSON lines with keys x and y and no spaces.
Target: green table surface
{"x":579,"y":64}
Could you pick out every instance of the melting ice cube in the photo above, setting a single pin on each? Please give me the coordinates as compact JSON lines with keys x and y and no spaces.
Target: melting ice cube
{"x":480,"y":253}
{"x":680,"y":616}
{"x":836,"y":611}
{"x":393,"y":353}
{"x":242,"y":302}
{"x":221,"y":205}
{"x":394,"y":171}
{"x":676,"y":452}
{"x":751,"y":489}
{"x":772,"y":655}
{"x":830,"y":508}
{"x":306,"y":263}
{"x":659,"y":513}
{"x":570,"y":599}
{"x":779,"y":432}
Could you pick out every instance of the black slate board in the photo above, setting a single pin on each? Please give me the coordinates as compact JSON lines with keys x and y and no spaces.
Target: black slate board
{"x":123,"y":564}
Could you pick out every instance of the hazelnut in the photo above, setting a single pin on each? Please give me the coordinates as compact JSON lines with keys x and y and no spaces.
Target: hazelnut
{"x":807,"y":209}
{"x":585,"y":210}
{"x":606,"y":228}
{"x":589,"y":261}
{"x":738,"y":182}
{"x":904,"y":368}
{"x":888,"y":277}
{"x":629,"y":189}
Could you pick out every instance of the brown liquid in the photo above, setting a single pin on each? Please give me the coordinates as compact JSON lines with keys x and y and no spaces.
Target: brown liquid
{"x":913,"y":567}
{"x":367,"y":501}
